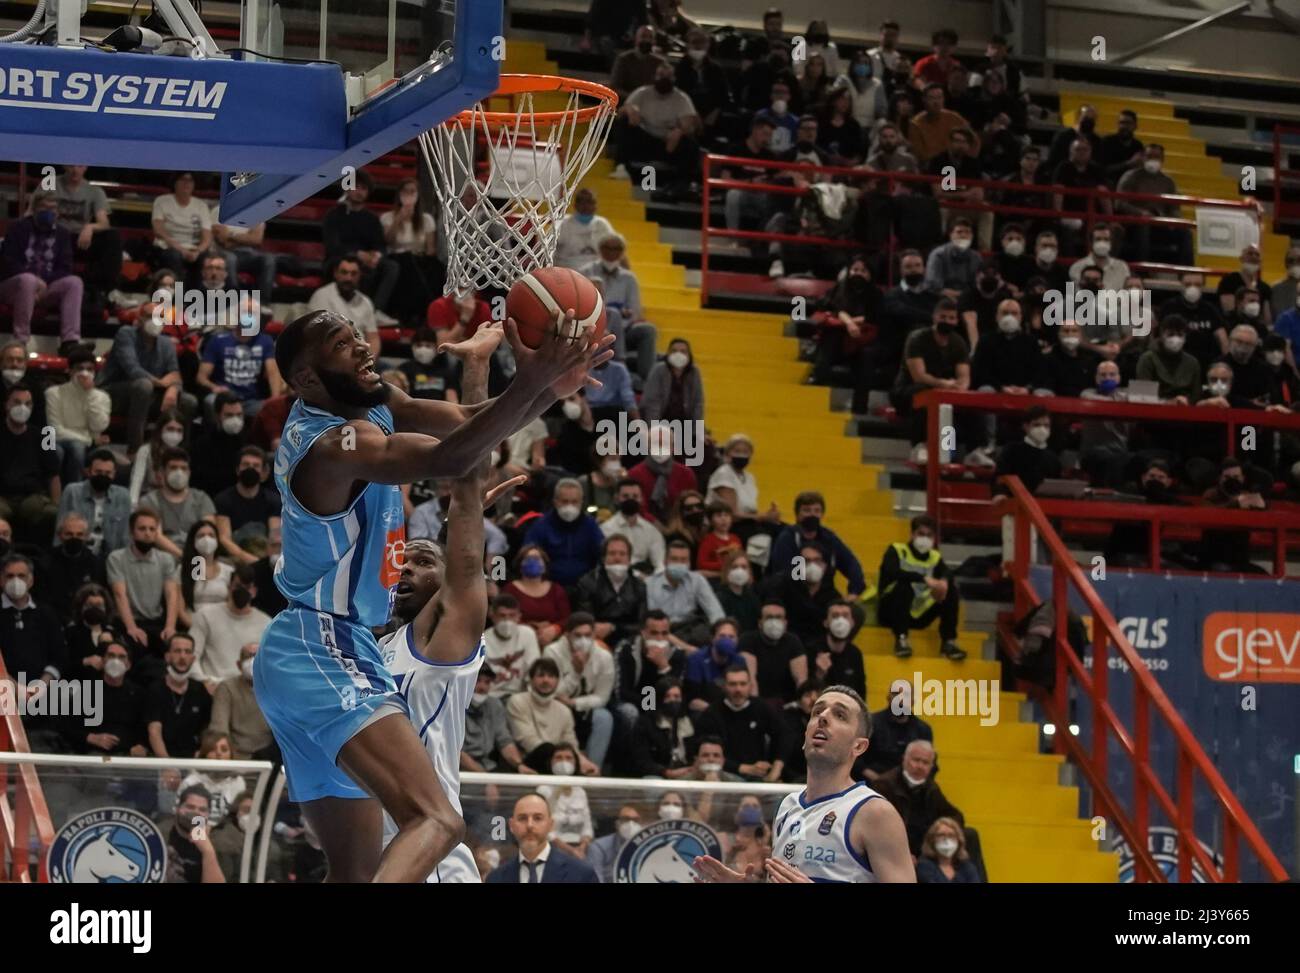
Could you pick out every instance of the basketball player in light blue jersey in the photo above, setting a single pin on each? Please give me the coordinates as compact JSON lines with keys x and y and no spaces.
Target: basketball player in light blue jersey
{"x":350,"y":439}
{"x":441,"y":599}
{"x":836,"y":829}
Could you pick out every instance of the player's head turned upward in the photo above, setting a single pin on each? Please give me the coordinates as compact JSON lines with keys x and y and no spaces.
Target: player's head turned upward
{"x":421,"y":577}
{"x":326,"y":360}
{"x":839,"y":729}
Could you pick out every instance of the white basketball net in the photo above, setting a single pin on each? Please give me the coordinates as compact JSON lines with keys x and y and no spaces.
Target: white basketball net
{"x":504,"y":186}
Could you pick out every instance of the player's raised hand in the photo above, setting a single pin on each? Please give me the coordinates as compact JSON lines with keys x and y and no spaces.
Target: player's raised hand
{"x":481,"y":344}
{"x":782,"y":873}
{"x":710,"y":871}
{"x":564,"y":358}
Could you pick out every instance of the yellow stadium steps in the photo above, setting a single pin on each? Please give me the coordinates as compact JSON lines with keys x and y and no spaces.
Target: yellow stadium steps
{"x":984,"y":765}
{"x":925,"y":644}
{"x":1036,"y":836}
{"x":1036,"y":866}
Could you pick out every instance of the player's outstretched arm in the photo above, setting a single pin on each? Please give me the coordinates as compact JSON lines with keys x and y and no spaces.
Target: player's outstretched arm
{"x":879,"y":832}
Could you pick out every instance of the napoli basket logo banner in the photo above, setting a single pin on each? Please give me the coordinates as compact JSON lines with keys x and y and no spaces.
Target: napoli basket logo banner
{"x":111,"y":845}
{"x":1162,"y":845}
{"x":663,"y":852}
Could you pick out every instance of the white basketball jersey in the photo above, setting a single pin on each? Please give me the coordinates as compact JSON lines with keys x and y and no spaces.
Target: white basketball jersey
{"x":437,"y":695}
{"x":814,"y":837}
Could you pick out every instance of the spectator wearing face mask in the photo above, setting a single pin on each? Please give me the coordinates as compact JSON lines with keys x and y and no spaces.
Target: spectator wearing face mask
{"x":29,"y":476}
{"x":631,"y":523}
{"x":664,"y":480}
{"x":1226,"y":550}
{"x":702,"y":680}
{"x":104,"y":506}
{"x":674,"y":389}
{"x":180,"y":505}
{"x":913,"y":791}
{"x":710,"y":765}
{"x":736,"y":590}
{"x":983,"y":306}
{"x":78,"y":412}
{"x":731,"y":483}
{"x":431,"y":375}
{"x":1177,"y":373}
{"x":944,"y":859}
{"x":236,"y":715}
{"x":511,"y":647}
{"x":684,"y":595}
{"x":191,"y":856}
{"x":611,"y":593}
{"x":221,"y":631}
{"x":543,"y":604}
{"x":142,"y":375}
{"x":1205,"y":332}
{"x":603,"y":853}
{"x":918,"y":588}
{"x":1014,"y":266}
{"x":1103,"y":443}
{"x":805,"y":587}
{"x":1146,"y":242}
{"x":703,"y":80}
{"x":847,"y":319}
{"x":1114,"y":272}
{"x":717,"y":542}
{"x":586,"y":683}
{"x":580,"y":233}
{"x":246,"y":509}
{"x":1031,"y":459}
{"x":906,"y":306}
{"x":868,"y":98}
{"x":31,"y":647}
{"x":833,"y":659}
{"x":1247,"y":276}
{"x":1283,"y":382}
{"x":809,"y":530}
{"x":69,"y":566}
{"x":952,"y":269}
{"x":652,"y":654}
{"x":780,"y":663}
{"x":1129,"y":542}
{"x":1007,"y":361}
{"x":36,"y":267}
{"x":664,"y":737}
{"x":539,"y":723}
{"x":570,"y":537}
{"x":637,"y":67}
{"x":572,"y":829}
{"x":658,"y":122}
{"x":1250,"y":310}
{"x":1251,"y":375}
{"x":121,"y":730}
{"x":1069,"y":367}
{"x":199,"y":557}
{"x":621,"y":293}
{"x":752,"y":734}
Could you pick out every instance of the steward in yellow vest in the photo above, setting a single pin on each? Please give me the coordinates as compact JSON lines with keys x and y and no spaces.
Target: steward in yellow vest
{"x":916,"y":588}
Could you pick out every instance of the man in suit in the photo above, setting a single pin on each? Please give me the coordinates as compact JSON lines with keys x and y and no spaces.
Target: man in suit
{"x":538,"y":860}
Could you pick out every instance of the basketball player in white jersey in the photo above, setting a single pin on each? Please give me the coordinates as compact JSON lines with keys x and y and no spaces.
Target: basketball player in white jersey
{"x":836,"y":829}
{"x":441,"y":597}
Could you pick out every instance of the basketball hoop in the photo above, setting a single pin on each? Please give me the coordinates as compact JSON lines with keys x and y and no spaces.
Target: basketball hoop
{"x":505,"y":178}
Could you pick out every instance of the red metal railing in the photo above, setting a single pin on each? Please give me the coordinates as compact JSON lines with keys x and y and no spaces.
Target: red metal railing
{"x":1230,"y":421}
{"x":1151,"y":710}
{"x":1282,"y":171}
{"x":1090,"y":215}
{"x":28,"y":816}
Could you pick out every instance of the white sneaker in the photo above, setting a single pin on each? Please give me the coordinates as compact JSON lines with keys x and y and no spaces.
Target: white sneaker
{"x":620,"y":172}
{"x":920,"y":455}
{"x":776,"y":270}
{"x":980,"y":456}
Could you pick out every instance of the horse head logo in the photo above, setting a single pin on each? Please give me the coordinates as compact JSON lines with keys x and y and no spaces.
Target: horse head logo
{"x":100,"y":860}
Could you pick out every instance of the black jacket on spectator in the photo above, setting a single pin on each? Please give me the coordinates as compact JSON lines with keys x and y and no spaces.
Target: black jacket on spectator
{"x":123,"y":717}
{"x":350,"y":231}
{"x":1018,"y":270}
{"x":632,"y":675}
{"x":1203,"y":319}
{"x":624,"y":608}
{"x":919,"y":807}
{"x":847,"y":666}
{"x":805,"y":610}
{"x":1002,"y":360}
{"x":184,"y":717}
{"x":1070,"y":176}
{"x":81,"y":645}
{"x":1067,"y":374}
{"x":773,"y":670}
{"x":901,"y":313}
{"x":268,"y":598}
{"x":653,"y":744}
{"x":59,"y":575}
{"x":795,"y":722}
{"x":214,"y":459}
{"x":27,"y":468}
{"x":1115,"y":152}
{"x":1032,"y":464}
{"x":705,"y":84}
{"x":749,"y":735}
{"x":889,"y":738}
{"x":1253,"y":380}
{"x":31,"y":644}
{"x":985,"y":307}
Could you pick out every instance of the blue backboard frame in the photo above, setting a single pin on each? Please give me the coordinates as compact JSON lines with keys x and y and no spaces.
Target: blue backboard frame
{"x":289,"y":124}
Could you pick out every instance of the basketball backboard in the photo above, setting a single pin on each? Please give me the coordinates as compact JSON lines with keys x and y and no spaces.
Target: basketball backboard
{"x":312,"y":88}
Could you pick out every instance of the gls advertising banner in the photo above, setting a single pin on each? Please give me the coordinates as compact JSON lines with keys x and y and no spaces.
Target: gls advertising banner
{"x":1227,"y":654}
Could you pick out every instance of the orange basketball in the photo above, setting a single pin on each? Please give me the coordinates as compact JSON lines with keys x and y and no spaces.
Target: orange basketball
{"x":535,"y":297}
